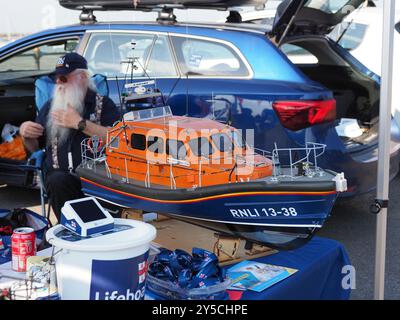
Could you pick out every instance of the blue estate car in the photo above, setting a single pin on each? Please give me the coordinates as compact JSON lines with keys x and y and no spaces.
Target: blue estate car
{"x":231,"y":72}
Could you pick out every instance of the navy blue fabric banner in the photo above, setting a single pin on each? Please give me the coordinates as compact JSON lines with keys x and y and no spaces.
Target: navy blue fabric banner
{"x":320,"y":265}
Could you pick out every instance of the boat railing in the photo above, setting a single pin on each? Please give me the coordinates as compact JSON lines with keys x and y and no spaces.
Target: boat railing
{"x":92,"y":152}
{"x":264,"y":153}
{"x":147,"y":182}
{"x":200,"y":173}
{"x":307,"y":156}
{"x":171,"y":176}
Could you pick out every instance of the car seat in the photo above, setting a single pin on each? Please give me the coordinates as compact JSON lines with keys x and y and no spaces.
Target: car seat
{"x":158,"y":59}
{"x":106,"y":59}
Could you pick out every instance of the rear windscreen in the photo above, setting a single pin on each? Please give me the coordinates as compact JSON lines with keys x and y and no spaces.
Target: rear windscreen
{"x":88,"y":210}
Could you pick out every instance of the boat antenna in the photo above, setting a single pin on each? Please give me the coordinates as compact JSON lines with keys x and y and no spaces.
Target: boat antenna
{"x":119,"y":96}
{"x":121,"y":108}
{"x":213,"y":105}
{"x":187,"y":93}
{"x":187,"y":71}
{"x":173,"y":88}
{"x":233,"y":156}
{"x":135,"y":59}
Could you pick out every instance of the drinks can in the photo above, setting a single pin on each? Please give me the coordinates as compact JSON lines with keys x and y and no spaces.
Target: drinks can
{"x":23,"y":245}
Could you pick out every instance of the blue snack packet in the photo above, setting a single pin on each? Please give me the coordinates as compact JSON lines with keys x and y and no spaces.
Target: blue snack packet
{"x":207,"y":282}
{"x":210,"y":270}
{"x":184,"y":278}
{"x":199,"y":253}
{"x":167,"y":273}
{"x":155,"y":268}
{"x":184,"y":258}
{"x":164,"y":256}
{"x":174,"y":265}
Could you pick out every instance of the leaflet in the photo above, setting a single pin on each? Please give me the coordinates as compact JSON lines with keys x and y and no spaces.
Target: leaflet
{"x":256,"y":276}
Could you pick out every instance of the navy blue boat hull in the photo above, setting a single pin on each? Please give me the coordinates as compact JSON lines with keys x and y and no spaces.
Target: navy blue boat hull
{"x":281,"y":219}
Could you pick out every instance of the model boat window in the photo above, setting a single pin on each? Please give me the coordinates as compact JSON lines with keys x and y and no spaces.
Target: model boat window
{"x":114,"y":143}
{"x":201,"y":147}
{"x":138,"y":141}
{"x":238,"y":139}
{"x":155,"y":144}
{"x":222,"y":142}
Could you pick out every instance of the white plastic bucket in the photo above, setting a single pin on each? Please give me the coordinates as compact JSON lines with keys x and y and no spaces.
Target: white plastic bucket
{"x":112,"y":266}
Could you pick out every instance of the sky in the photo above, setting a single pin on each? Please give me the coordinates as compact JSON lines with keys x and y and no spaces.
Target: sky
{"x":28,"y":16}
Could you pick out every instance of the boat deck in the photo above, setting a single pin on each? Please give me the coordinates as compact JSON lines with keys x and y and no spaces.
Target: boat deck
{"x":287,"y":176}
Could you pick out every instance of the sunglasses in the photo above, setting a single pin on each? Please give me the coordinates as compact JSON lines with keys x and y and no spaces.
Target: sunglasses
{"x":63,"y":79}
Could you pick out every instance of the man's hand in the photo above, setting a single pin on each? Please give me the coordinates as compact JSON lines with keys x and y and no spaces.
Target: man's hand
{"x":30,"y":130}
{"x":66,"y":118}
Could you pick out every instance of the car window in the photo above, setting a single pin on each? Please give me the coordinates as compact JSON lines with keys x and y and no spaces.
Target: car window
{"x":207,"y":58}
{"x":352,"y":37}
{"x":121,"y":54}
{"x":262,"y":21}
{"x":328,"y":6}
{"x":298,"y":55}
{"x":39,"y":58}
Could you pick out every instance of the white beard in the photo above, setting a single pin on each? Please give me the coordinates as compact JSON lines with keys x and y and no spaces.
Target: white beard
{"x":64,"y":94}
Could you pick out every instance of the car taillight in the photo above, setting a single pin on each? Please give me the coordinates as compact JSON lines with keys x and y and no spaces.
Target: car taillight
{"x":296,"y":115}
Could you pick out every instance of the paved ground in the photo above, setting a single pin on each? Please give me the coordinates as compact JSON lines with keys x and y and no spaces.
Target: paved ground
{"x":351,"y":224}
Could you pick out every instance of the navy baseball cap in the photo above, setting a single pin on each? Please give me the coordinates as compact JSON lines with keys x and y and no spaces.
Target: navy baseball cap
{"x":68,"y":63}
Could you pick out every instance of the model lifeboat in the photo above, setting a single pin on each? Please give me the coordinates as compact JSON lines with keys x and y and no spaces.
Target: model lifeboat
{"x":203,"y":172}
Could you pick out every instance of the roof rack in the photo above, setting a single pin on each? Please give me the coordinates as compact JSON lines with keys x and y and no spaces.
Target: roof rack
{"x":165,"y":7}
{"x":166,"y":15}
{"x":87,"y":16}
{"x":149,"y":5}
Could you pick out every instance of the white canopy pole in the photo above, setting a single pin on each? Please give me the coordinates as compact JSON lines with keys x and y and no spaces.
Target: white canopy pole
{"x":382,"y":192}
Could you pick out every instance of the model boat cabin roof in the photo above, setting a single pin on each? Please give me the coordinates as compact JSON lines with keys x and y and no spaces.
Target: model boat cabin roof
{"x":181,"y":123}
{"x":162,"y":118}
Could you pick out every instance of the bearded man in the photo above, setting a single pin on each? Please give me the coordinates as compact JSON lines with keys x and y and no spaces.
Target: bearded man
{"x":75,"y":113}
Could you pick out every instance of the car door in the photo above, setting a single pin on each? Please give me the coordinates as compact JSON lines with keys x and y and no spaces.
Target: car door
{"x":310,"y":16}
{"x":19,"y":68}
{"x":128,"y":56}
{"x":215,"y":75}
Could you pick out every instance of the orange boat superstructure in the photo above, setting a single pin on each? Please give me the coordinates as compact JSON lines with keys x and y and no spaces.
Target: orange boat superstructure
{"x":154,"y":147}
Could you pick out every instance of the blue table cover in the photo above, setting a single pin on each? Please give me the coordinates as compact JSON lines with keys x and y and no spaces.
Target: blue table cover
{"x":319,"y":276}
